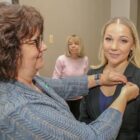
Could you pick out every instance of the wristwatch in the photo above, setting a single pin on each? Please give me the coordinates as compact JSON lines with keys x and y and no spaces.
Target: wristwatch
{"x":97,"y":79}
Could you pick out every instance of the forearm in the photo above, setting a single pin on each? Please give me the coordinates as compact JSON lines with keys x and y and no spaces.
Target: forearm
{"x":58,"y":126}
{"x":43,"y":120}
{"x":107,"y":125}
{"x":69,"y":86}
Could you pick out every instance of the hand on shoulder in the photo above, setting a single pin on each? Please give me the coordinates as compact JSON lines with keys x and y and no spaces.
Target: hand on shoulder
{"x":112,"y":78}
{"x":130,"y":91}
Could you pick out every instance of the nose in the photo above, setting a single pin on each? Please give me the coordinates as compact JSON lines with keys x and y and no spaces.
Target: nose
{"x":73,"y":45}
{"x":43,"y":46}
{"x":114,"y":45}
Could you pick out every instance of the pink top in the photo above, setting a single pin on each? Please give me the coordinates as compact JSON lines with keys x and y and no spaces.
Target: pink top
{"x":67,"y":66}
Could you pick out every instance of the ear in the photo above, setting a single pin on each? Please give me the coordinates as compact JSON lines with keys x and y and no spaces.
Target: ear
{"x":131,"y":53}
{"x":133,"y":46}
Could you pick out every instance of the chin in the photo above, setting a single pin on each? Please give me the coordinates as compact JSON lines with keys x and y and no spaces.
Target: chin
{"x":39,"y":66}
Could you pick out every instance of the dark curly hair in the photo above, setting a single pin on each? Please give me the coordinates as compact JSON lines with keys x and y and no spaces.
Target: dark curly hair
{"x":16,"y":24}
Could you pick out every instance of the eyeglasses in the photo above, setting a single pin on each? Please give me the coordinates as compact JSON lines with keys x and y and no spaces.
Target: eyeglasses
{"x":37,"y":42}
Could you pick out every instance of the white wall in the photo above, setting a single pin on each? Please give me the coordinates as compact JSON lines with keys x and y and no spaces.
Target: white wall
{"x":126,"y":8}
{"x":10,"y":1}
{"x":134,"y":11}
{"x":120,"y":8}
{"x":138,"y":18}
{"x":65,"y":17}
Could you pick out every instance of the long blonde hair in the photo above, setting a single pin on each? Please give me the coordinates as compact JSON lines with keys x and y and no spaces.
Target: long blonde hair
{"x":135,"y":53}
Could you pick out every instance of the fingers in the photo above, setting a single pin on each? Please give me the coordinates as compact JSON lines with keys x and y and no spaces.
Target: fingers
{"x":113,"y":78}
{"x":130,"y":91}
{"x":117,"y":77}
{"x":130,"y":84}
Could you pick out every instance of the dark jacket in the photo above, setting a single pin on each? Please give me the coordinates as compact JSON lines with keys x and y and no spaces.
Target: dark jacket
{"x":130,"y":129}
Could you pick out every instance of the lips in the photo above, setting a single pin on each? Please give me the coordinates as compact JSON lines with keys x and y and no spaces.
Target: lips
{"x":113,"y":55}
{"x":74,"y":49}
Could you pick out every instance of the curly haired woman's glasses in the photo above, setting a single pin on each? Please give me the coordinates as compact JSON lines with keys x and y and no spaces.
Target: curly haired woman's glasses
{"x":37,"y":42}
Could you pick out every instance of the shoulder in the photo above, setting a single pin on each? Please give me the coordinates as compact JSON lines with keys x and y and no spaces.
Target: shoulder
{"x":137,"y":69}
{"x":86,"y":58}
{"x":83,"y":59}
{"x":133,"y":69}
{"x":61,"y":57}
{"x":136,"y":74}
{"x":133,"y":74}
{"x":133,"y":66}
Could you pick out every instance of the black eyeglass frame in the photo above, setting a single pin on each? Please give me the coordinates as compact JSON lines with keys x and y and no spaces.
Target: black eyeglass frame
{"x":37,"y":42}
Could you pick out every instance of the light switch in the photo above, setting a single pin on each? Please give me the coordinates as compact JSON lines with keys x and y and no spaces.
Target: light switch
{"x":51,"y":39}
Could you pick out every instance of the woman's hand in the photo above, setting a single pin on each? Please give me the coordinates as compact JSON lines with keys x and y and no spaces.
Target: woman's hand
{"x":129,"y":91}
{"x":112,"y":78}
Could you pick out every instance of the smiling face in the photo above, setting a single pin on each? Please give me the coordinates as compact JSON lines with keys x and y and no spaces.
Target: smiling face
{"x":117,"y":43}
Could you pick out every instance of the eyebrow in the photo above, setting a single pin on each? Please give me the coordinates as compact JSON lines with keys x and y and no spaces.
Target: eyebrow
{"x":125,"y":36}
{"x":119,"y":36}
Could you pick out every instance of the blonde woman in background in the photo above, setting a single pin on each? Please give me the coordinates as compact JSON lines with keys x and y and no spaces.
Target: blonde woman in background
{"x":120,"y":51}
{"x":72,"y":63}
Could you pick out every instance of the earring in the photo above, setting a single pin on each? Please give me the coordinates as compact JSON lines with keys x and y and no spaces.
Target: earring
{"x":130,"y":56}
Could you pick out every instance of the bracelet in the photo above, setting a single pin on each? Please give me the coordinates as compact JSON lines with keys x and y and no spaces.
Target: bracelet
{"x":97,"y":79}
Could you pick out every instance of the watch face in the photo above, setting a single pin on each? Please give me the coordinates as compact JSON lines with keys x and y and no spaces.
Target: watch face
{"x":97,"y":79}
{"x":97,"y":76}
